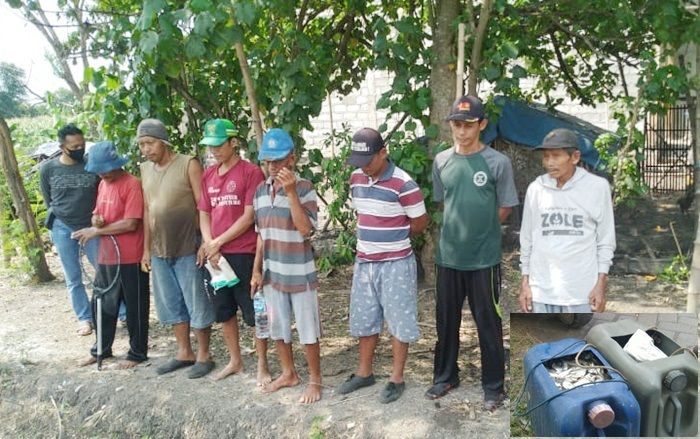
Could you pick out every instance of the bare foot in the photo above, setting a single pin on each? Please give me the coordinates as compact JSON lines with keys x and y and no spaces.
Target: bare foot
{"x":229,"y":369}
{"x":281,"y":382}
{"x":264,"y":378}
{"x":311,"y":394}
{"x":124,"y":364}
{"x":87,"y":361}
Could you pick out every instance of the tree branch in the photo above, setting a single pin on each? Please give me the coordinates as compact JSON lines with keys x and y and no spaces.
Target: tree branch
{"x":565,"y":70}
{"x":622,"y":77}
{"x":475,"y":59}
{"x":396,"y":127}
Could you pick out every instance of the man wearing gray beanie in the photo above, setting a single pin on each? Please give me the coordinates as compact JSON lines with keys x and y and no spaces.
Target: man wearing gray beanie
{"x":171,"y":189}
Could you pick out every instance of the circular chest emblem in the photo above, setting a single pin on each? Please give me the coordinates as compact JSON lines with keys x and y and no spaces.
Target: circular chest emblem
{"x":231,"y":187}
{"x":480,"y":178}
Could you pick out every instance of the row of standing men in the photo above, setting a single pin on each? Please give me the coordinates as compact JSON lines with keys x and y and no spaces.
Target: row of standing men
{"x":179,"y":216}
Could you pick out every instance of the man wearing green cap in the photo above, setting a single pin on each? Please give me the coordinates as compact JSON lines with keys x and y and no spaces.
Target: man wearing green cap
{"x":226,"y":221}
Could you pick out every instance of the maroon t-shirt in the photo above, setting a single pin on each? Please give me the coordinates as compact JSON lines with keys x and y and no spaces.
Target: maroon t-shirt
{"x":224,"y":197}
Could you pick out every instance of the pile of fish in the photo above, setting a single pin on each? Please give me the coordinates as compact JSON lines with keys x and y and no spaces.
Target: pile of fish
{"x":567,"y":374}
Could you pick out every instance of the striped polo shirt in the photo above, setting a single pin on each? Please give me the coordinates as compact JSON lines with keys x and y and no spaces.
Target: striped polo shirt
{"x":288,"y":261}
{"x":384,"y":209}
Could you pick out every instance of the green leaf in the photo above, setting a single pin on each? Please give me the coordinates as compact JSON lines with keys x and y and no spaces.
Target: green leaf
{"x":112,"y":82}
{"x":172,"y":69}
{"x":510,"y":50}
{"x":194,"y":48}
{"x":203,"y":24}
{"x":432,"y":131}
{"x":200,"y":5}
{"x":148,"y":42}
{"x":87,"y":74}
{"x":245,"y":12}
{"x":518,"y":72}
{"x":491,"y":73}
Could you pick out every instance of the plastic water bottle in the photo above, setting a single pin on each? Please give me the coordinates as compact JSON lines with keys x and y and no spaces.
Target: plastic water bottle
{"x":262,"y":325}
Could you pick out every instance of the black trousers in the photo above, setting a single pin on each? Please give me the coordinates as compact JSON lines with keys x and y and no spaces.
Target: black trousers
{"x":482,"y":290}
{"x":133,"y":289}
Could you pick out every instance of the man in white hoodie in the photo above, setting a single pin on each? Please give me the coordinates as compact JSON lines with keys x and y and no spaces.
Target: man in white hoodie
{"x":567,"y":236}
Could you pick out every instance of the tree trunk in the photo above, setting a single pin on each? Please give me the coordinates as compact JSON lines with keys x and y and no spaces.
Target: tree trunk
{"x":693,"y":303}
{"x":35,"y":248}
{"x":475,"y":59}
{"x":441,"y":76}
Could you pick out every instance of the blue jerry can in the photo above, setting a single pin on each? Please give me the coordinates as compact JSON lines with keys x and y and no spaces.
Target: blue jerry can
{"x":598,"y":408}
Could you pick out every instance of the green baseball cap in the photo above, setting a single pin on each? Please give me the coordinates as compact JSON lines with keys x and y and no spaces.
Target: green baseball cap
{"x":217,"y":131}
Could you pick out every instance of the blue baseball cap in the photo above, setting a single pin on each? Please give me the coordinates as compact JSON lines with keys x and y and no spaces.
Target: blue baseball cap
{"x":276,"y":145}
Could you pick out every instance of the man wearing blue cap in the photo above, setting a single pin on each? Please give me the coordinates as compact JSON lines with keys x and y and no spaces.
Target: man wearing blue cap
{"x":119,"y":212}
{"x":226,"y":221}
{"x":285,"y":216}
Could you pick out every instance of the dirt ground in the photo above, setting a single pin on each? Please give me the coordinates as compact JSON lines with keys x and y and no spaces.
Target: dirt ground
{"x":44,"y":394}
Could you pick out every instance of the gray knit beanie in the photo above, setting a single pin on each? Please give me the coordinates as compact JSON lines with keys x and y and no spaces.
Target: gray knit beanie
{"x":152,"y":128}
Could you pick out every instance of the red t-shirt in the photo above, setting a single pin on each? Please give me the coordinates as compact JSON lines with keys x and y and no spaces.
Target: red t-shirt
{"x":224,"y":197}
{"x":117,"y":200}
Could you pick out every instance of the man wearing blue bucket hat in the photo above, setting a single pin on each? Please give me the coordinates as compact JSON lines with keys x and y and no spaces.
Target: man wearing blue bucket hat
{"x":117,"y":219}
{"x":285,"y":217}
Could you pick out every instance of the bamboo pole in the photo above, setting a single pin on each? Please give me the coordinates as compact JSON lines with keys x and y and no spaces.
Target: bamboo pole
{"x":460,"y":61}
{"x":250,"y":91}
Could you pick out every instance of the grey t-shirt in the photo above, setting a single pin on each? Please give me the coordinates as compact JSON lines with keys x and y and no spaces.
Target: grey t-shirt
{"x":70,"y":191}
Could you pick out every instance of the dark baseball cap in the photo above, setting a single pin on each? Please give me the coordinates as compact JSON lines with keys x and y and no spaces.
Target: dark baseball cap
{"x":365,"y":144}
{"x":467,"y":108}
{"x":559,"y":138}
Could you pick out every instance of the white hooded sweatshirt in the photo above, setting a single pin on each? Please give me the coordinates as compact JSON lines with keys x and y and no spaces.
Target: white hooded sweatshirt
{"x":567,"y":237}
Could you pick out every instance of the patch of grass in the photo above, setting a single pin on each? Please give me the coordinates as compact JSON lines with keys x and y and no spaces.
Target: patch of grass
{"x":317,"y":431}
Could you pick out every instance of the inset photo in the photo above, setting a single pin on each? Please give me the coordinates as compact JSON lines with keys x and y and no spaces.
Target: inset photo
{"x":604,"y":374}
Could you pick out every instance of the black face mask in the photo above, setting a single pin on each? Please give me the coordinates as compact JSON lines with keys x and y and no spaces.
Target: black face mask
{"x":76,"y":154}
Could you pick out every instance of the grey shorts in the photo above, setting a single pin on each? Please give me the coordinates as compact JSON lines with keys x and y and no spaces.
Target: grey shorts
{"x":538,"y":307}
{"x":388,"y":291}
{"x":304,"y":306}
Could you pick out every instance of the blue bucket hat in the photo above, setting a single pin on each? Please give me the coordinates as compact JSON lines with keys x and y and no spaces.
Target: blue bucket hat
{"x":276,"y":145}
{"x":103,"y":158}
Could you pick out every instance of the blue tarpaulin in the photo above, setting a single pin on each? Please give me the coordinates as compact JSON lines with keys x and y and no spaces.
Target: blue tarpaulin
{"x":527,"y":124}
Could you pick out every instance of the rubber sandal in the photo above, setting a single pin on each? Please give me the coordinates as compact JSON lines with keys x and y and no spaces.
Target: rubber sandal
{"x":173,"y":365}
{"x":391,"y":392}
{"x":491,"y":403}
{"x":439,"y":390}
{"x":200,"y":369}
{"x":355,"y":382}
{"x":84,"y":328}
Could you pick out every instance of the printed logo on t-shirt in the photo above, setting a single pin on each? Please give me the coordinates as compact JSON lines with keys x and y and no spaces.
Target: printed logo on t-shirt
{"x":562,"y":223}
{"x":231,"y":187}
{"x":480,"y":178}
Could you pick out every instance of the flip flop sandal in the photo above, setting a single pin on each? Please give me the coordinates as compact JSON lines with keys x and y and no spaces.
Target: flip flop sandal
{"x":173,"y":365}
{"x":84,"y":328}
{"x":439,"y":390}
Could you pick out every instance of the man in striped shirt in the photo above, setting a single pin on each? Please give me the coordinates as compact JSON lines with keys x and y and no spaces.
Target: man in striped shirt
{"x":390,"y":209}
{"x":285,"y":217}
